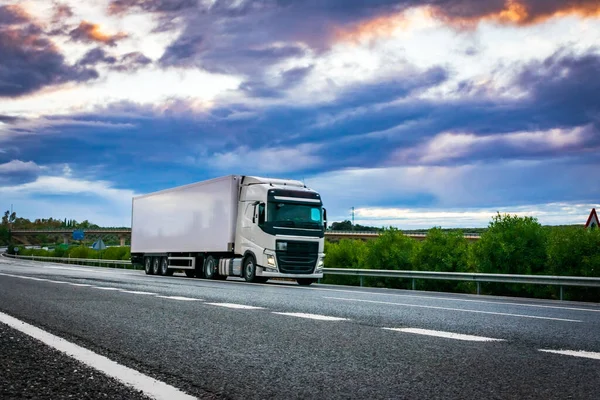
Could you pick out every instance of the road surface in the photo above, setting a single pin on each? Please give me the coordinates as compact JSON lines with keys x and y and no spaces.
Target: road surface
{"x":234,"y":340}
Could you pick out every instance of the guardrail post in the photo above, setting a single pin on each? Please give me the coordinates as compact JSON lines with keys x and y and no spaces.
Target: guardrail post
{"x":413,"y":284}
{"x":561,"y":292}
{"x":478,"y":288}
{"x":361,"y":281}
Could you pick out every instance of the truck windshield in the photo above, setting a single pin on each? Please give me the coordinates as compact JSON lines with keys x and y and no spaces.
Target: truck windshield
{"x":296,"y":215}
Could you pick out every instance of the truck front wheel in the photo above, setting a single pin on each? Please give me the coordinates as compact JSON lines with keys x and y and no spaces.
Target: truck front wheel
{"x":250,"y":269}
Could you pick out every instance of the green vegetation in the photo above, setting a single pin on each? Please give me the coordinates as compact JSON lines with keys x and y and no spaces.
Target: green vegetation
{"x":510,"y":245}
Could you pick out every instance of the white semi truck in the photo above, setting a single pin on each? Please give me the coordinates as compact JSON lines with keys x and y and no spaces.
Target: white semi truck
{"x":244,"y":226}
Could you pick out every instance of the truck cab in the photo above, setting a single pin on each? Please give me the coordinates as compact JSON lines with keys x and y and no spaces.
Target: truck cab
{"x":280,"y":230}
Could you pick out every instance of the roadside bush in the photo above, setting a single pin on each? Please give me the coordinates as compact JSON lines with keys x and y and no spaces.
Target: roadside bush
{"x":391,"y":250}
{"x":81,"y":252}
{"x":512,"y":245}
{"x":443,"y":252}
{"x":114,"y":253}
{"x":344,"y":254}
{"x":575,"y":251}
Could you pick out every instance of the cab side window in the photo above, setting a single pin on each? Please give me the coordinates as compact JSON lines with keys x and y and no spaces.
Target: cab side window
{"x":261,"y":214}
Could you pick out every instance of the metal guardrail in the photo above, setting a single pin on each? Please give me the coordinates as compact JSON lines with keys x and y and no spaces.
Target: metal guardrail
{"x":478,"y":278}
{"x":552,"y":280}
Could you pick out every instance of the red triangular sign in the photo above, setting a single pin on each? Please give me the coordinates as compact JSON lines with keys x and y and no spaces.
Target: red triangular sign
{"x":593,"y":221}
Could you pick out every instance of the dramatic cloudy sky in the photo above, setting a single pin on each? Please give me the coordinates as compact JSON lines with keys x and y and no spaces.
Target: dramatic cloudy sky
{"x":416,"y":113}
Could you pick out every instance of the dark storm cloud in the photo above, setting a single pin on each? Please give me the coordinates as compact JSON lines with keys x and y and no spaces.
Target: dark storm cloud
{"x":96,"y":56}
{"x":229,"y":34}
{"x":29,"y":60}
{"x":128,"y":62}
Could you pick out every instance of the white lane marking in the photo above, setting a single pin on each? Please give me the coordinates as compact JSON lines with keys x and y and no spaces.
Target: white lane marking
{"x":26,"y":277}
{"x":442,"y":334}
{"x":136,"y":292}
{"x":80,"y":284}
{"x":78,"y":269}
{"x":508,"y":303}
{"x":454,"y":309}
{"x":48,"y":280}
{"x":580,"y":353}
{"x":238,"y":306}
{"x":430,"y":297}
{"x":105,"y":288}
{"x":312,"y":316}
{"x":149,"y":386}
{"x":179,"y":298}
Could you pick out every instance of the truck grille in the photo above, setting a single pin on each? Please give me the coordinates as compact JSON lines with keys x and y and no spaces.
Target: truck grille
{"x":300,"y":257}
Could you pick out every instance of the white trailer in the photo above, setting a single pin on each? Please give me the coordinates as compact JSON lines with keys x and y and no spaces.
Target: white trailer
{"x":250,"y":227}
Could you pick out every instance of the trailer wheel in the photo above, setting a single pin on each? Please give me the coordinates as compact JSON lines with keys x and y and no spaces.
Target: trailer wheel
{"x":155,"y":265}
{"x":250,"y":269}
{"x":305,"y":281}
{"x":148,"y":265}
{"x":164,"y":267}
{"x":210,"y":267}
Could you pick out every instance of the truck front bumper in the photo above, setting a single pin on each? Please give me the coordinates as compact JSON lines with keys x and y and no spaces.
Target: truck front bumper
{"x":269,"y":268}
{"x":260,"y":272}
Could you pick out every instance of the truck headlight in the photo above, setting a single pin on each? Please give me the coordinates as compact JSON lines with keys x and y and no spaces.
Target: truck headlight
{"x":320,"y":265}
{"x":271,"y":261}
{"x":282,"y":246}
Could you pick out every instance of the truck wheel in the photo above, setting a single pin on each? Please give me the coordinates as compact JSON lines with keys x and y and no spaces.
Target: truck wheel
{"x":155,"y":265}
{"x":250,"y":269}
{"x":305,"y":281}
{"x":164,"y":267}
{"x":148,"y":265}
{"x":210,"y":267}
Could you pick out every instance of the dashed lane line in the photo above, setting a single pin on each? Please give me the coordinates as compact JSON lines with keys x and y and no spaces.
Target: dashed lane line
{"x":137,"y":292}
{"x":180,"y":298}
{"x":579,"y":353}
{"x":312,"y":316}
{"x":236,"y":306}
{"x":454,"y":309}
{"x":442,"y":334}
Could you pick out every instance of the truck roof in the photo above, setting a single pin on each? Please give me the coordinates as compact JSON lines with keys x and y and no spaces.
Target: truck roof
{"x":254,"y":180}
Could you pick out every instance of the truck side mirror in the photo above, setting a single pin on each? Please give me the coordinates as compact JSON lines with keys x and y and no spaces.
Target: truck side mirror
{"x":325,"y":219}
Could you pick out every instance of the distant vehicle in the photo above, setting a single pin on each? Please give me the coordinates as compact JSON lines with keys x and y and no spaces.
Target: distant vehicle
{"x":244,"y":226}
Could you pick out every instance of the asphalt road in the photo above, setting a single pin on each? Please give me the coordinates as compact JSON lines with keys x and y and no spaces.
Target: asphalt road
{"x":230,"y":339}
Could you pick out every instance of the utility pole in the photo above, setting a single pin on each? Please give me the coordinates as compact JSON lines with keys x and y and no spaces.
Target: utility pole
{"x":352,"y":218}
{"x":10,"y":226}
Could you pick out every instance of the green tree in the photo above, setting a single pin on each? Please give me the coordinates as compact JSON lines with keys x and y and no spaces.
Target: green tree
{"x":575,"y":251}
{"x":391,"y":250}
{"x":512,"y":245}
{"x":347,"y":253}
{"x":443,"y":252}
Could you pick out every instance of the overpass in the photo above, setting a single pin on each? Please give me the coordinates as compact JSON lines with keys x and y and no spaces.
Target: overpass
{"x":124,"y":233}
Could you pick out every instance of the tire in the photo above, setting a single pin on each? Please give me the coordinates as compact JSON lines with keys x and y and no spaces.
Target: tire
{"x":155,"y":265}
{"x":190,"y":273}
{"x":148,"y":265}
{"x":305,"y":281}
{"x":164,"y":267}
{"x":250,"y":269}
{"x":210,"y":267}
{"x":260,"y":279}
